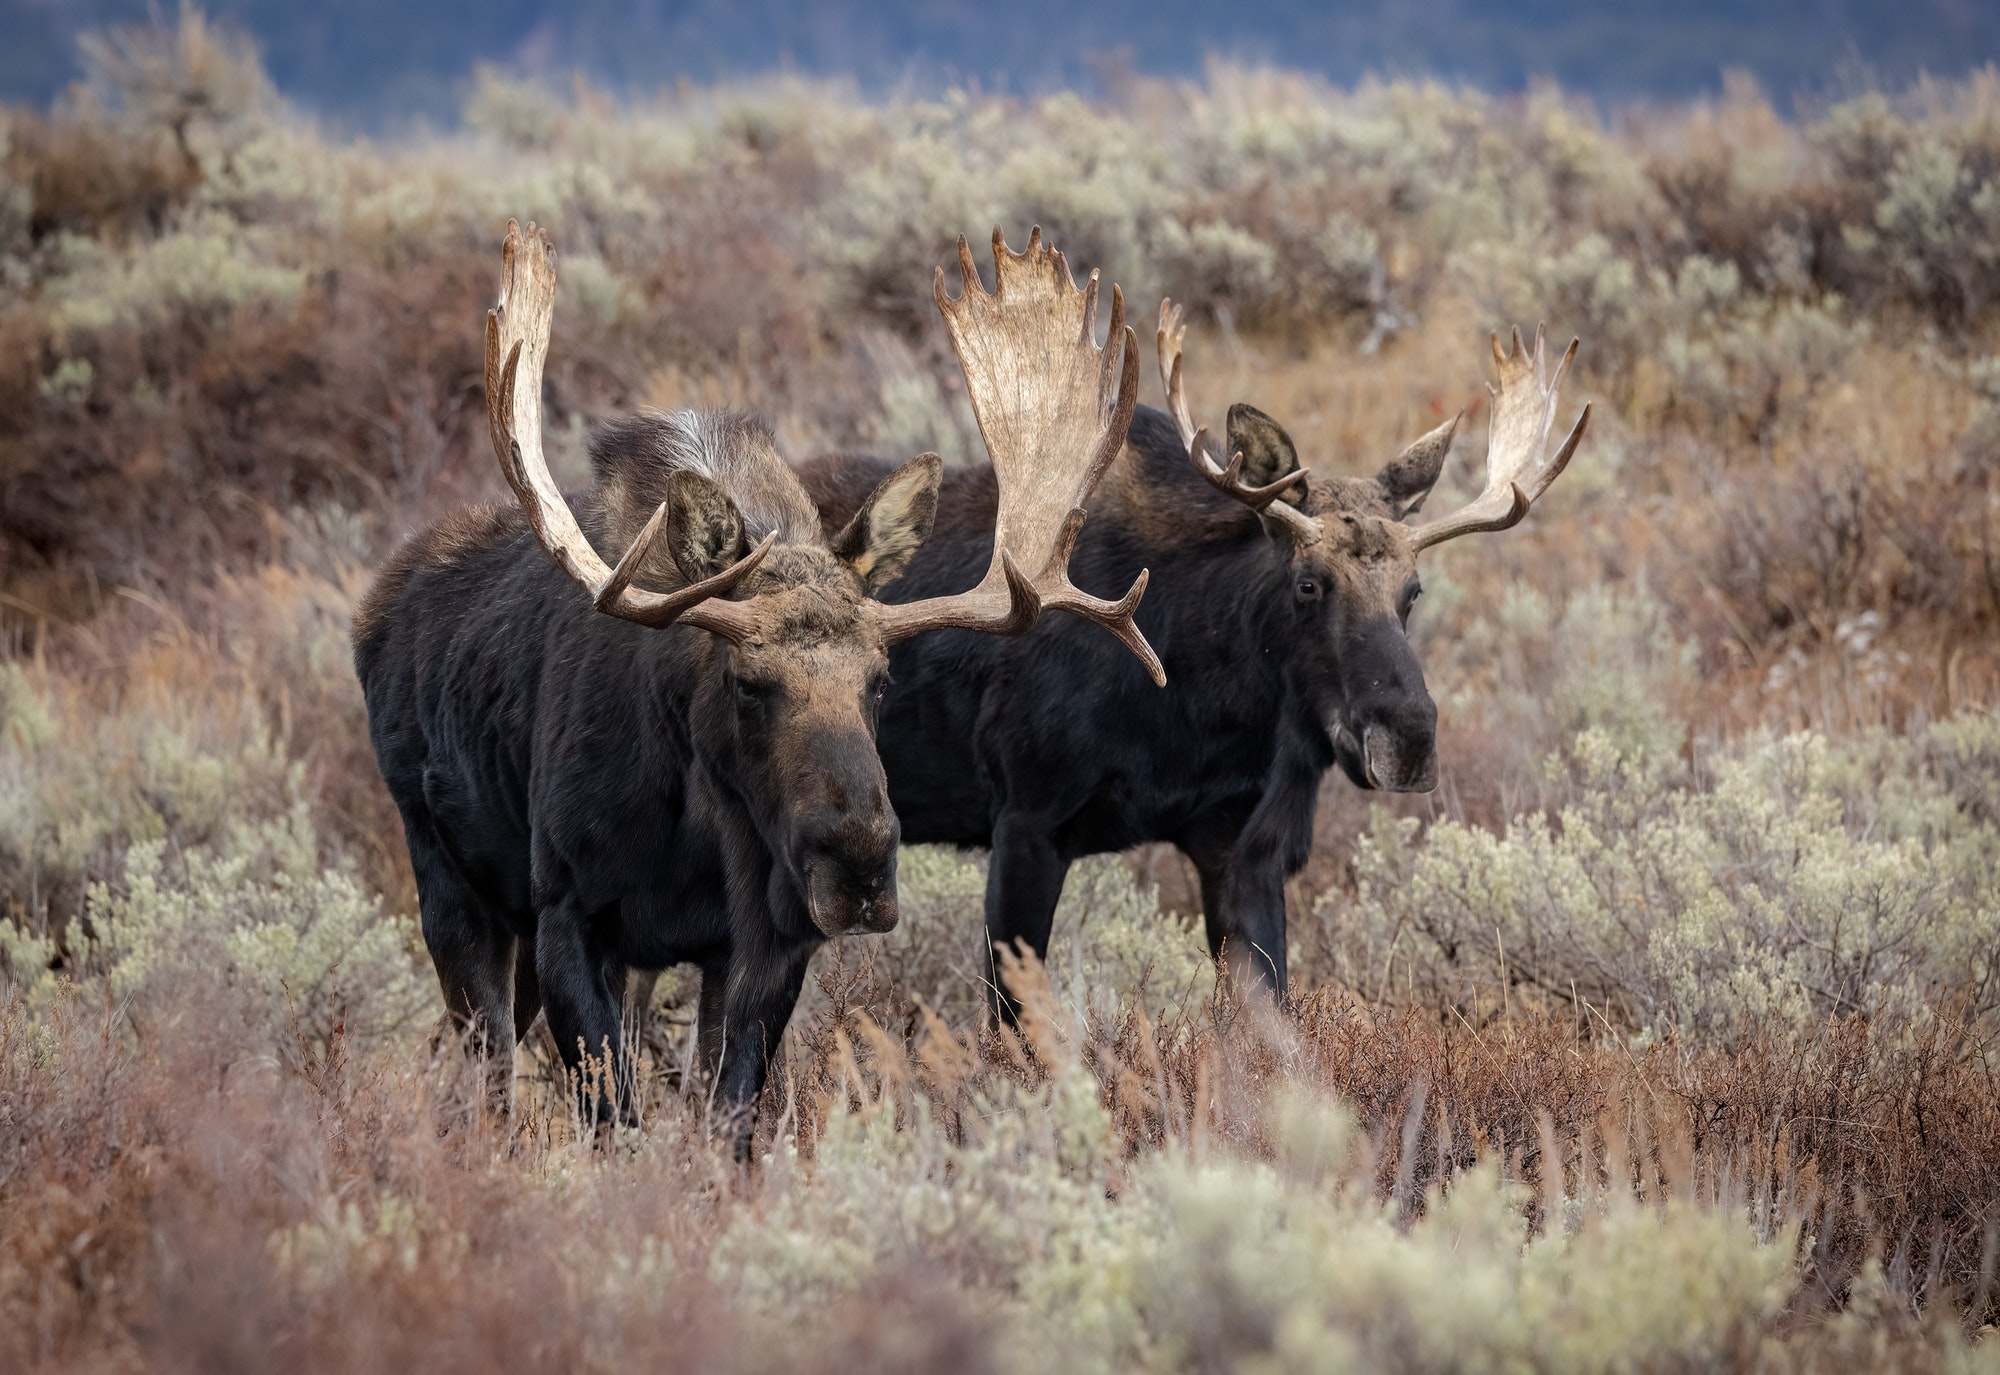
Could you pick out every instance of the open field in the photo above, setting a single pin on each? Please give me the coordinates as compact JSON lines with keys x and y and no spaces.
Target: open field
{"x":1661,"y":1037}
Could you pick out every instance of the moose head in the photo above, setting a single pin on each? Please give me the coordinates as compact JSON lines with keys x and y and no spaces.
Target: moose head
{"x":1350,"y":553}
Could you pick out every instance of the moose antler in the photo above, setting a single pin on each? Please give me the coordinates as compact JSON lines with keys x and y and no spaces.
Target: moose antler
{"x":1517,"y":472}
{"x":1053,"y":408}
{"x":517,"y":342}
{"x":1229,"y":481}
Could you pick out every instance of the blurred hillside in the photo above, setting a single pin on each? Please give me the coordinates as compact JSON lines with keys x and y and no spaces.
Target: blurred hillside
{"x":373,"y":63}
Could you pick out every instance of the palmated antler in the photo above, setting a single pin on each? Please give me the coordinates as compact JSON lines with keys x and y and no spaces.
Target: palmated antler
{"x":1229,"y":481}
{"x":1518,"y":469}
{"x":517,"y":342}
{"x":1053,"y":408}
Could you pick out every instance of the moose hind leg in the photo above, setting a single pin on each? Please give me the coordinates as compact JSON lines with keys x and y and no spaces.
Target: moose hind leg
{"x":1024,"y":882}
{"x":710,"y":1030}
{"x":474,"y":953}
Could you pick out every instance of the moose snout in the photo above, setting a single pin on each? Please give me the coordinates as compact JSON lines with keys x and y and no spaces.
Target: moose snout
{"x":1387,"y":736}
{"x":848,"y":856}
{"x":843,"y":897}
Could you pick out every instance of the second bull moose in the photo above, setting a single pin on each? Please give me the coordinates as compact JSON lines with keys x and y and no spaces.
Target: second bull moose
{"x":676,"y":761}
{"x":1279,"y":605}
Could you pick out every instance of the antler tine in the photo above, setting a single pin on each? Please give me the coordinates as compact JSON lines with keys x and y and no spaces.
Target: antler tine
{"x":517,"y":343}
{"x":1116,"y":617}
{"x":1053,"y":409}
{"x":1229,"y":481}
{"x":1168,"y":339}
{"x":1518,"y":467}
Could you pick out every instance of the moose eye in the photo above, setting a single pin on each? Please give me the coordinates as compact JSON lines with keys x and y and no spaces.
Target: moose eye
{"x":1410,"y":595}
{"x":1308,"y":589}
{"x":749,"y":693}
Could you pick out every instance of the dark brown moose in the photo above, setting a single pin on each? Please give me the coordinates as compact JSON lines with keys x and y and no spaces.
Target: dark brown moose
{"x":672,"y":759}
{"x":1278,"y":604}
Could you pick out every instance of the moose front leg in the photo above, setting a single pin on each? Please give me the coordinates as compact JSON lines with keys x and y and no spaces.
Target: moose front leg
{"x":1243,"y":907}
{"x":583,"y":993}
{"x":1024,"y":882}
{"x":758,"y":995}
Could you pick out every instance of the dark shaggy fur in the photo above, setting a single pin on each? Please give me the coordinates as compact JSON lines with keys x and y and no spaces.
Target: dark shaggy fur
{"x":582,"y":794}
{"x":1280,"y":662}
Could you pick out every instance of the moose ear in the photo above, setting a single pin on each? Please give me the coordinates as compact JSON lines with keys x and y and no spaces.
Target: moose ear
{"x":704,"y":528}
{"x":893,"y":523}
{"x":1411,"y":474}
{"x":1268,"y":453}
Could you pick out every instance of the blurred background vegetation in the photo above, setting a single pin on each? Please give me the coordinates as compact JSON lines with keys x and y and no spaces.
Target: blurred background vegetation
{"x":1691,"y":968}
{"x":372,"y":65}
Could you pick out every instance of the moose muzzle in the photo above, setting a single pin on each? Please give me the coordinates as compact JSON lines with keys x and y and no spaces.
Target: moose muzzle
{"x":1387,"y":736}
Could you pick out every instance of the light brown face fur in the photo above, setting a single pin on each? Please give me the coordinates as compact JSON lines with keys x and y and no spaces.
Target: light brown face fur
{"x":1363,"y":554}
{"x":801,"y":694}
{"x":789,"y":722}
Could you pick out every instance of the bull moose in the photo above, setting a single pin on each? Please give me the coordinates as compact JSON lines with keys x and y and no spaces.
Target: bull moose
{"x":1279,"y":605}
{"x":677,"y":762}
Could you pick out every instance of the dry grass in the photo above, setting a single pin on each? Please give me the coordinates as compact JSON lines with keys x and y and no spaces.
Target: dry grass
{"x":325,"y":1210}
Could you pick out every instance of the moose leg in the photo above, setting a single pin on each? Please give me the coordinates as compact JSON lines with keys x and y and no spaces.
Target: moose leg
{"x":708,"y":1024}
{"x":1243,"y":907}
{"x":583,"y":993}
{"x":757,"y":1001}
{"x":1023,"y":885}
{"x":474,"y":954}
{"x":527,"y":992}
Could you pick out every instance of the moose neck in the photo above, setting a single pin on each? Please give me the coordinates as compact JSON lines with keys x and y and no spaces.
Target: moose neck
{"x":1225,"y":623}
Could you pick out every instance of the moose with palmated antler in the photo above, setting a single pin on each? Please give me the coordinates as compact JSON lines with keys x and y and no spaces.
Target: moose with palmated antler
{"x":675,"y":762}
{"x":1279,"y":604}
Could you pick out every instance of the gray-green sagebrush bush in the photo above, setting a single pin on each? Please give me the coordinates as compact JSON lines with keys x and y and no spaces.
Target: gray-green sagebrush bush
{"x":253,"y":928}
{"x":1211,"y":1259}
{"x":1803,"y":880}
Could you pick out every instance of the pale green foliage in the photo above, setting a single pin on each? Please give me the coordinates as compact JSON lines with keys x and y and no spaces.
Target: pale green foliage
{"x":17,"y":206}
{"x":1110,"y":941}
{"x":1800,"y":881}
{"x":1766,"y":354}
{"x":257,"y":921}
{"x":203,"y":85}
{"x":188,"y":749}
{"x":917,"y":412}
{"x":1218,"y":263}
{"x":26,"y":953}
{"x":1181,"y":1261}
{"x":342,"y":1246}
{"x":1325,"y":1280}
{"x":1025,"y":1178}
{"x":207,"y":267}
{"x":1535,"y":671}
{"x":70,"y":798}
